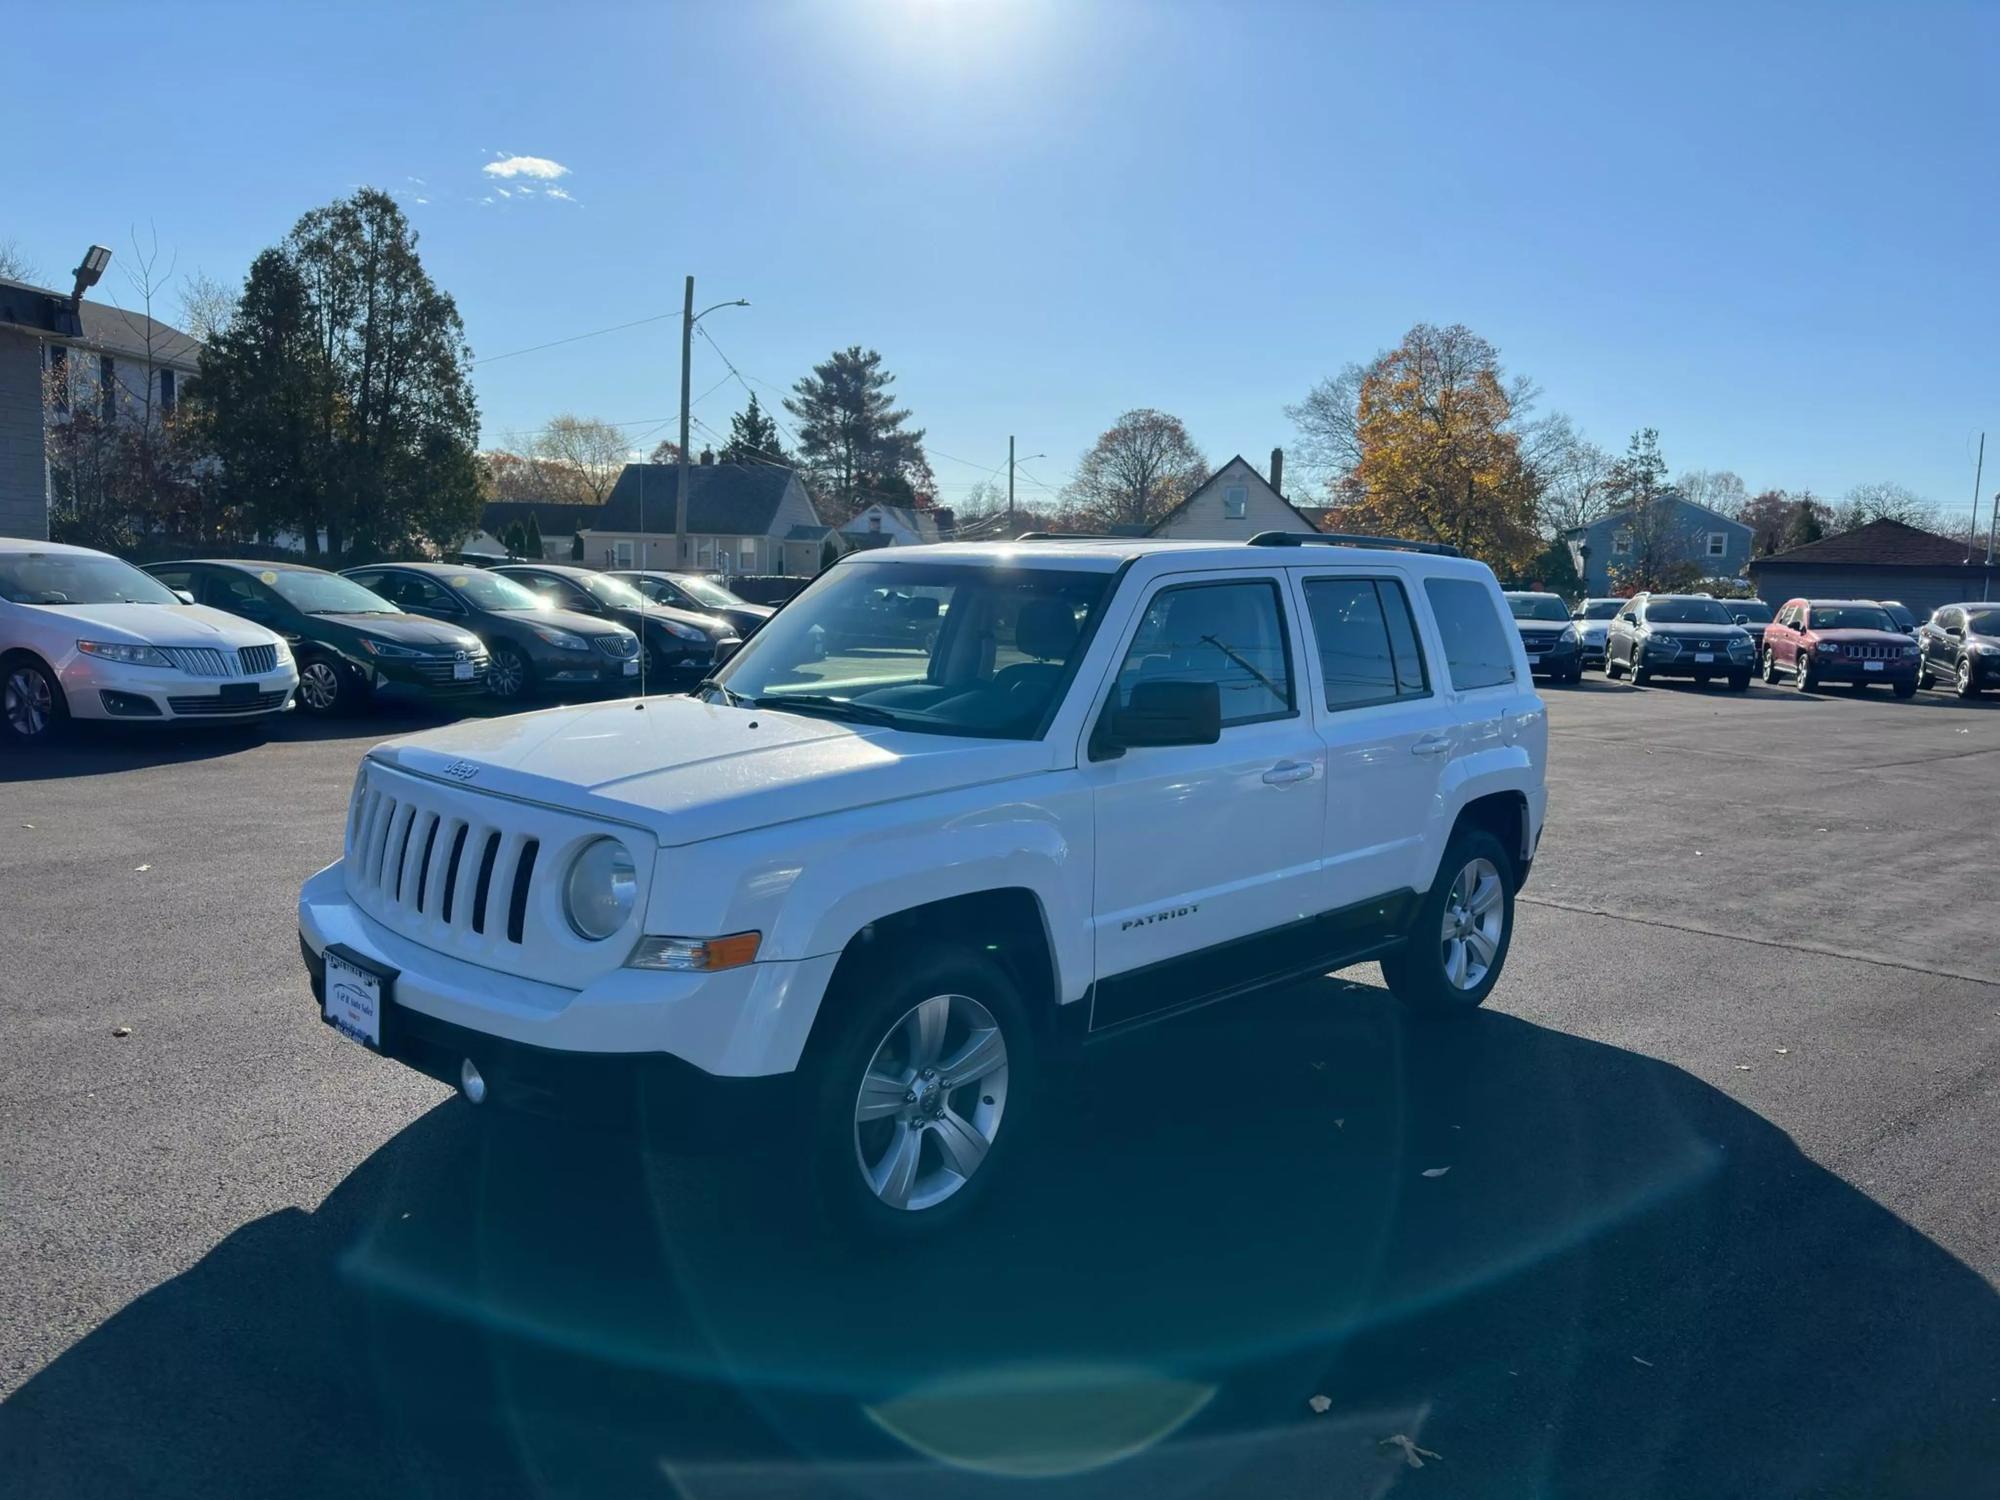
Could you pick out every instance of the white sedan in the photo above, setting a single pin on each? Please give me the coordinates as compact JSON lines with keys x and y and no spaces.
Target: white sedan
{"x":86,"y":636}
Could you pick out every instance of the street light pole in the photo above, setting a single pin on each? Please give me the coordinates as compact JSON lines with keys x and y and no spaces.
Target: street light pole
{"x":1010,"y":479}
{"x":681,"y":488}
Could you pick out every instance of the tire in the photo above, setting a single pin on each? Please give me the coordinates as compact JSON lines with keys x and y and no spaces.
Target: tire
{"x":33,"y":710}
{"x":1924,"y":678}
{"x":509,"y":677}
{"x":1802,"y":676}
{"x":1965,"y":686}
{"x":1906,"y":690}
{"x":1640,"y":675}
{"x":1739,"y":682}
{"x":903,"y":1173}
{"x":1610,"y":668}
{"x":1770,"y":666}
{"x":1421,"y":972}
{"x":324,"y":690}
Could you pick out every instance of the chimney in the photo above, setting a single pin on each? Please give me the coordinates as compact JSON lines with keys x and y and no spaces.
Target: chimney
{"x":707,"y":457}
{"x":1278,"y":470}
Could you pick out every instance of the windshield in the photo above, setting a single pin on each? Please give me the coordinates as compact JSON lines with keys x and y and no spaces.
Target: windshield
{"x":1602,"y":609}
{"x":1686,"y":612}
{"x":327,"y":594}
{"x":1850,"y":617}
{"x":1756,"y":611}
{"x":705,"y":591}
{"x":491,"y":591}
{"x":1901,"y":616}
{"x":613,"y":591}
{"x":1537,"y":607}
{"x":948,"y":649}
{"x":77,"y":578}
{"x":1985,"y":622}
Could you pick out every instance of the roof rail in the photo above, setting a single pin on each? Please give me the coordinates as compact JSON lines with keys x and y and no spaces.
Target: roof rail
{"x":1070,"y":536}
{"x":1351,"y":539}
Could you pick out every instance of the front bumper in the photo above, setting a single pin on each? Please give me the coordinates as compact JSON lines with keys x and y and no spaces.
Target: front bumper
{"x":1843,"y":669}
{"x":395,"y":678}
{"x":746,"y":1022}
{"x":98,"y":689}
{"x":1685,"y":665}
{"x":1553,"y":661}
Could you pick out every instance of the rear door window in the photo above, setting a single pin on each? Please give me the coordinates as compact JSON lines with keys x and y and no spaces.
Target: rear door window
{"x":1478,"y":644}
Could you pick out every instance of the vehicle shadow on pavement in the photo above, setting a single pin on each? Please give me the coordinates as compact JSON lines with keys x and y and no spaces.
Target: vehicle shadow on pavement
{"x":1559,"y":1267}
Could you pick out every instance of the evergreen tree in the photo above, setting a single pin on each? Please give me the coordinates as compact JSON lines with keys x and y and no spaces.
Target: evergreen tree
{"x":576,"y":547}
{"x":851,"y":436}
{"x":753,"y":438}
{"x":531,"y":539}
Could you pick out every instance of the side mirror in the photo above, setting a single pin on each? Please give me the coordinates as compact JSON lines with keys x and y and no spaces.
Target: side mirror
{"x":1169,"y":713}
{"x":184,"y":596}
{"x":725,"y":648}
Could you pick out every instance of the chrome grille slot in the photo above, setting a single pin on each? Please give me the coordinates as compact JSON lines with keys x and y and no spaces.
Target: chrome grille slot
{"x":470,"y":874}
{"x":199,"y":661}
{"x":257,"y":660}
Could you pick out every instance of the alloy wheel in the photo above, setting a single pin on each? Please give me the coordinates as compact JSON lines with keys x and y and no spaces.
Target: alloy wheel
{"x":28,"y":703}
{"x":930,"y":1102}
{"x":1965,"y":688}
{"x":504,"y":674}
{"x":1474,"y":915}
{"x":319,"y":687}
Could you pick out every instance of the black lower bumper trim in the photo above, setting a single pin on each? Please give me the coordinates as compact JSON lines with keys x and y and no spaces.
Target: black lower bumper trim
{"x":629,"y":1092}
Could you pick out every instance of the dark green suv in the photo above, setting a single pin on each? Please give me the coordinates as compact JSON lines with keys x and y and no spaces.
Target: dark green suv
{"x":352,"y":646}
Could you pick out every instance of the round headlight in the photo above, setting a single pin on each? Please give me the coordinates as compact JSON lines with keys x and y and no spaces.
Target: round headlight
{"x":601,"y":889}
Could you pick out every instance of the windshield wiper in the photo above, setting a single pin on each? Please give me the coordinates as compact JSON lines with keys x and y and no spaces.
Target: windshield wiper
{"x":837,"y":708}
{"x":712,"y":684}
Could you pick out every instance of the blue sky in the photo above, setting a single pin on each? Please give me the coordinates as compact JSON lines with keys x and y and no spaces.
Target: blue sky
{"x":1767,"y":230}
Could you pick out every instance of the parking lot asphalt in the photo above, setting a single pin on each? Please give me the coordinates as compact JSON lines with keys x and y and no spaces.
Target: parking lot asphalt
{"x":1703,"y":1203}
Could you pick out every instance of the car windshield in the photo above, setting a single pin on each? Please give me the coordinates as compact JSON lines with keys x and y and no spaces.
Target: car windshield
{"x":613,"y":591}
{"x":1537,"y":607}
{"x":1755,"y":611}
{"x":77,"y":578}
{"x":707,"y":591}
{"x":491,"y":591}
{"x":1686,"y":612}
{"x":1984,"y":622}
{"x":326,"y":593}
{"x":1602,"y":609}
{"x":943,"y":648}
{"x":1850,"y":617}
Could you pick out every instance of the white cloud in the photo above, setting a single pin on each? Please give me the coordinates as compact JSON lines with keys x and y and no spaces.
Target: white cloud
{"x":526,"y":166}
{"x":503,"y":192}
{"x":557,"y":192}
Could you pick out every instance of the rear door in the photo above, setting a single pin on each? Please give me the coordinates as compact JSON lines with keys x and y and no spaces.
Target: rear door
{"x":1387,"y":727}
{"x":1204,"y":850}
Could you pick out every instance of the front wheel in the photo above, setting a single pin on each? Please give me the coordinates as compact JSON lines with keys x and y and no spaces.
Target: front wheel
{"x":1906,"y":690}
{"x":1457,"y":942}
{"x":1640,"y":675}
{"x":923,"y":1087}
{"x":32,"y":709}
{"x":507,"y":676}
{"x":1803,"y":677}
{"x":323,"y":689}
{"x":1967,"y":688}
{"x":1739,"y":682}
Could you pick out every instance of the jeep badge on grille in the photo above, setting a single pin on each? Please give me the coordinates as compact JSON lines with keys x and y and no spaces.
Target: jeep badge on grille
{"x":461,"y":770}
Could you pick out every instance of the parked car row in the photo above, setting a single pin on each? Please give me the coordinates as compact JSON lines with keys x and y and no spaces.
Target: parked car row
{"x":86,"y":635}
{"x":1807,"y":642}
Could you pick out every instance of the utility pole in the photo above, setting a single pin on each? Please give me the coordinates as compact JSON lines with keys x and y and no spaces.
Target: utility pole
{"x":681,"y":489}
{"x":1010,"y":479}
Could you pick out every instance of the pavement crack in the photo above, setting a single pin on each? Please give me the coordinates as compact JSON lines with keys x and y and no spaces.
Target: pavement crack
{"x":1823,"y":951}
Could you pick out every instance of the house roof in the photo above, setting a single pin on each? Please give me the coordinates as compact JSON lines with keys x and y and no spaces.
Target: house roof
{"x":723,"y":499}
{"x":106,"y":329}
{"x":1195,"y":494}
{"x":1617,"y":515}
{"x":924,"y":523}
{"x":1887,"y":544}
{"x":551,"y":516}
{"x":804,"y":533}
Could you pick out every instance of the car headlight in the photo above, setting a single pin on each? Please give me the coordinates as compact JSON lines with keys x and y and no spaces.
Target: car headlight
{"x":376,"y":647}
{"x":681,"y":632}
{"x":123,"y":653}
{"x":284,"y":649}
{"x":1569,"y":637}
{"x":600,"y":890}
{"x":1666,"y":645}
{"x":1978,"y":648}
{"x":562,"y":640}
{"x":471,"y":643}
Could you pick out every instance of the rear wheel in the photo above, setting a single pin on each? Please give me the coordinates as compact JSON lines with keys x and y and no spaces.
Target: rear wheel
{"x":1924,"y":678}
{"x":1458,"y":940}
{"x":1770,"y":665}
{"x":32,"y":708}
{"x":1611,"y":667}
{"x":924,"y":1085}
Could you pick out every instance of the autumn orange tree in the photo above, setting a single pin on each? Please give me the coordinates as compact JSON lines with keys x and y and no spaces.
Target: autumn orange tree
{"x":1439,"y":458}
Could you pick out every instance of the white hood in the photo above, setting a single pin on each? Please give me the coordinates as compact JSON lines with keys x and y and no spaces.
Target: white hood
{"x":690,"y":770}
{"x":162,"y":624}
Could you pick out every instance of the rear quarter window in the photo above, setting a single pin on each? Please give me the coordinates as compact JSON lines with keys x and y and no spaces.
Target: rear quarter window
{"x":1478,"y":642}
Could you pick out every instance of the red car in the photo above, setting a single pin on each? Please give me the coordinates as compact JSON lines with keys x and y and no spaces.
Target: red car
{"x":1839,"y":640}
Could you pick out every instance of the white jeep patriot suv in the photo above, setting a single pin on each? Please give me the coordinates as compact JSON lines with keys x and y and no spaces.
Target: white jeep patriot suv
{"x":953,"y":808}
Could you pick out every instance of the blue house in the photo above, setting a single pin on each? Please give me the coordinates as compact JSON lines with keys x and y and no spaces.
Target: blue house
{"x":1668,"y":531}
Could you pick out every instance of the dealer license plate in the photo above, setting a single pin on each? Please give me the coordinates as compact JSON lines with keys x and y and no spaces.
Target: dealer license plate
{"x":354,"y":1000}
{"x":1701,"y":656}
{"x":1534,"y":661}
{"x":461,"y":671}
{"x":631,"y":669}
{"x":1871,"y":666}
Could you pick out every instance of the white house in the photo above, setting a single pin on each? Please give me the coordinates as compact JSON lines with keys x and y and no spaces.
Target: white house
{"x":741,"y":519}
{"x":903,"y":526}
{"x":1233,"y":504}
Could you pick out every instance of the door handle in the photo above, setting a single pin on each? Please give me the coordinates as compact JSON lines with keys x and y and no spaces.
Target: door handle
{"x":1285,"y":772}
{"x":1432,"y":744}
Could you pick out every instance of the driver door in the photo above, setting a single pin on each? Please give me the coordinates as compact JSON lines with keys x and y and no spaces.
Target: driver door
{"x":1205,"y":850}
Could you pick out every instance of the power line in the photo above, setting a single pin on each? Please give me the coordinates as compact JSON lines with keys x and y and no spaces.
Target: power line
{"x":576,"y":338}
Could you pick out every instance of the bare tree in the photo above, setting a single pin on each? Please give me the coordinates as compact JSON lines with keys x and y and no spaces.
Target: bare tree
{"x":1137,"y":471}
{"x":1328,"y":447}
{"x":206,"y":305}
{"x":589,"y":453}
{"x":1574,"y":473}
{"x":1885,"y":500}
{"x":14,"y":262}
{"x":1720,"y":490}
